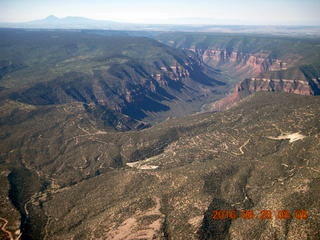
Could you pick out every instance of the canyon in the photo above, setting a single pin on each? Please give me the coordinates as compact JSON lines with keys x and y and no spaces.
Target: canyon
{"x":261,"y":71}
{"x":135,"y":80}
{"x":249,"y":65}
{"x":132,"y":82}
{"x":268,"y":75}
{"x":105,"y":135}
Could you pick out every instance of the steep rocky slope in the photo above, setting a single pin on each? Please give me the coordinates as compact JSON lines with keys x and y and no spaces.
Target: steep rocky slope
{"x":256,"y":63}
{"x":69,"y":178}
{"x":67,"y":172}
{"x":133,"y":76}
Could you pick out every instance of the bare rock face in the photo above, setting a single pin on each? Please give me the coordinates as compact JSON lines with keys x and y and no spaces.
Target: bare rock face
{"x":175,"y":73}
{"x":138,"y":90}
{"x":252,"y":85}
{"x":261,"y":72}
{"x":258,"y":63}
{"x":252,"y":64}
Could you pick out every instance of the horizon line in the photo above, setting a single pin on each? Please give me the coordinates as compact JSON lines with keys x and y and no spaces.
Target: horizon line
{"x":138,"y":22}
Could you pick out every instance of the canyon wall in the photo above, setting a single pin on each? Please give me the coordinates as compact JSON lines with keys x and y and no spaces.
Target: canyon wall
{"x":250,"y":64}
{"x":260,"y":72}
{"x":137,"y":91}
{"x":252,"y":85}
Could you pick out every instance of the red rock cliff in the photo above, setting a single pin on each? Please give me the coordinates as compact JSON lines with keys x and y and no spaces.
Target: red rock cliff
{"x":249,"y":86}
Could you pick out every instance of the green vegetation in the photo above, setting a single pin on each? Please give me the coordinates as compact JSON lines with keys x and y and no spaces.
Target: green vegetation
{"x":46,"y":55}
{"x":299,"y":54}
{"x":80,"y":160}
{"x":221,"y":160}
{"x":280,"y":47}
{"x":128,"y":77}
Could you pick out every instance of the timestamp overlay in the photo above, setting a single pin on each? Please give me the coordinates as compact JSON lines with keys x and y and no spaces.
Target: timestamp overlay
{"x":264,"y":214}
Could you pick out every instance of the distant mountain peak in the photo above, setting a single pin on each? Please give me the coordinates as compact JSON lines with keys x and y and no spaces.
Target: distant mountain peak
{"x":52,"y":17}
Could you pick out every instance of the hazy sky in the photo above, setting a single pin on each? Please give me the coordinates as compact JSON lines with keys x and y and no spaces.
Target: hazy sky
{"x":168,"y":11}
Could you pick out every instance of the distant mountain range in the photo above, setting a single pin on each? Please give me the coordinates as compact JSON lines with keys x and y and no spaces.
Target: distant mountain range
{"x":93,"y":144}
{"x":189,"y":25}
{"x":68,"y":23}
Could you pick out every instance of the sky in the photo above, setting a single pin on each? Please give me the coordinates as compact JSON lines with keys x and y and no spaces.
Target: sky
{"x":249,"y":12}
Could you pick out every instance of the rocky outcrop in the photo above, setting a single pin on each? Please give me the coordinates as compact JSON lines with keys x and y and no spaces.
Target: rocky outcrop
{"x":138,"y":89}
{"x":252,"y":85}
{"x":253,"y":64}
{"x":258,"y":63}
{"x":261,"y":72}
{"x":164,"y":74}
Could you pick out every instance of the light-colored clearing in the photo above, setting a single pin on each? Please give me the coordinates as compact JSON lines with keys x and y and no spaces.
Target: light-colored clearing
{"x":242,"y":146}
{"x":148,"y":167}
{"x":196,"y":221}
{"x":130,"y":229}
{"x":291,"y":136}
{"x":143,"y":165}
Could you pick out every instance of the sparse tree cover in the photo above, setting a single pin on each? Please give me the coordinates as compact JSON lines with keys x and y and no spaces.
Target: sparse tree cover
{"x":98,"y":139}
